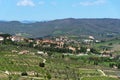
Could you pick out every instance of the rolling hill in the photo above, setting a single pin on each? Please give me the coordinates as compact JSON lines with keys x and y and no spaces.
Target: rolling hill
{"x":97,"y":27}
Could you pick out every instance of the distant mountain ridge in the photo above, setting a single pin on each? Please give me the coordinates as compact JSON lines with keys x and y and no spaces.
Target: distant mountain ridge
{"x":69,"y":26}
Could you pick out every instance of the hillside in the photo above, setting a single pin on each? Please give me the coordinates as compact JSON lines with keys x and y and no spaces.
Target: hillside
{"x":96,"y":27}
{"x":30,"y":66}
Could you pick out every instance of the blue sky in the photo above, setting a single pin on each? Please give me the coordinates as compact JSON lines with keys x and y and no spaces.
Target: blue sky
{"x":39,"y":10}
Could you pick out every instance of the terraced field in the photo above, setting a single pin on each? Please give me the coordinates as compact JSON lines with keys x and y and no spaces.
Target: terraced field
{"x":98,"y":78}
{"x":112,"y":45}
{"x":57,"y":67}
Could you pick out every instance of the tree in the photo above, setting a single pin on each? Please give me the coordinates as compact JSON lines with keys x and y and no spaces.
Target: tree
{"x":63,"y":56}
{"x":48,"y":76}
{"x":83,"y":49}
{"x":8,"y":41}
{"x":5,"y":35}
{"x":10,"y":77}
{"x":42,"y":64}
{"x":110,"y":44}
{"x":118,"y":65}
{"x":31,"y":44}
{"x":24,"y":74}
{"x":49,"y":53}
{"x":95,"y":63}
{"x":93,"y":50}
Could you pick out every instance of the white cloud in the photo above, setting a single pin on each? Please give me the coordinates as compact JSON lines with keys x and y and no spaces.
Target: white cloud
{"x":41,"y":3}
{"x":25,"y":3}
{"x":92,"y":3}
{"x":89,"y":3}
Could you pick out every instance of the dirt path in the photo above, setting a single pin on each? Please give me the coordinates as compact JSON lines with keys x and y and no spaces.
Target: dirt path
{"x":102,"y":72}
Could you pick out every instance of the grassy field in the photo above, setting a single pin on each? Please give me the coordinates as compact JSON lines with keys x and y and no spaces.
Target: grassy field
{"x":113,"y":45}
{"x":57,"y":67}
{"x":98,"y":78}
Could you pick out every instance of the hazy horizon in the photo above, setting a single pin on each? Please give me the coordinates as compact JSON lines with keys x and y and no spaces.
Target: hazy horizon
{"x":32,"y":21}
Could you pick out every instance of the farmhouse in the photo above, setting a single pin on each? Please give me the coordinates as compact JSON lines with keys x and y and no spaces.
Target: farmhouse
{"x":72,"y":48}
{"x":106,"y":53}
{"x":87,"y":41}
{"x":47,"y":41}
{"x":17,"y":38}
{"x":1,"y":38}
{"x":42,"y":53}
{"x":24,"y":52}
{"x":91,"y":37}
{"x":60,"y":44}
{"x":14,"y":51}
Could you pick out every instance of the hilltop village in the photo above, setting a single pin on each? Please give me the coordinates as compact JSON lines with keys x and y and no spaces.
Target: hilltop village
{"x":62,"y":44}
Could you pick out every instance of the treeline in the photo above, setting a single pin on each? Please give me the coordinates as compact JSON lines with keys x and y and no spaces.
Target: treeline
{"x":52,"y":49}
{"x":112,"y":63}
